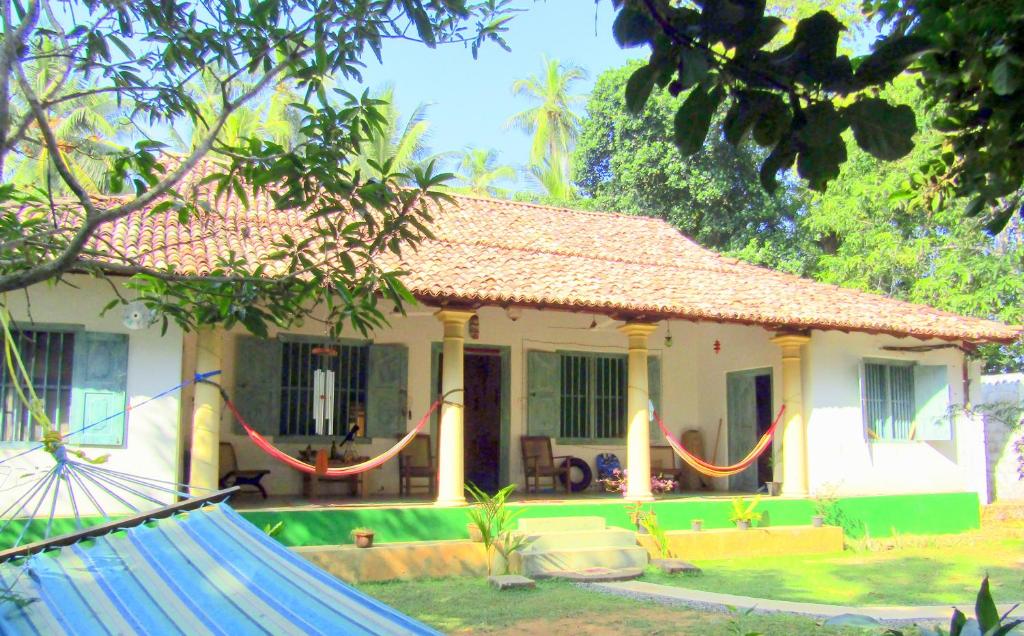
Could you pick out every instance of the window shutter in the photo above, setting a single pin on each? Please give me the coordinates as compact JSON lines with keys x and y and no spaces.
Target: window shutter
{"x":931,"y":396}
{"x":258,"y":384}
{"x":654,"y":394}
{"x":99,"y":388}
{"x":543,"y":380}
{"x":387,"y":390}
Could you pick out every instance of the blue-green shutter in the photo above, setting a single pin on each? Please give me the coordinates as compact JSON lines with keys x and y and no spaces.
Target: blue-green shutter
{"x":99,"y":389}
{"x":387,"y":390}
{"x":741,"y":415}
{"x":258,"y":383}
{"x":543,"y":382}
{"x":654,"y":394}
{"x":931,"y":388}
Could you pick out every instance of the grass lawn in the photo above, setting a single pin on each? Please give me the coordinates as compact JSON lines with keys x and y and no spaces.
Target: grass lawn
{"x":905,"y":571}
{"x":471,"y":606}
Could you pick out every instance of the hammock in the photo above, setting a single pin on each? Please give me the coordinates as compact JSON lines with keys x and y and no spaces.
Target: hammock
{"x":344,"y":471}
{"x":712,"y":470}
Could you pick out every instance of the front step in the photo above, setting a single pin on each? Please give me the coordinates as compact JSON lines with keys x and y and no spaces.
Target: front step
{"x":609,"y":538}
{"x":540,"y":563}
{"x":542,"y":525}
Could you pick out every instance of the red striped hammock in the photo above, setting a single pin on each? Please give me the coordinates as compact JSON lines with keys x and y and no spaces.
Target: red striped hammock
{"x":343,"y":471}
{"x":712,"y":470}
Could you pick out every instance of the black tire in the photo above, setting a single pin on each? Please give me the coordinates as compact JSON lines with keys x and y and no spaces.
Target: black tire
{"x":584,"y":468}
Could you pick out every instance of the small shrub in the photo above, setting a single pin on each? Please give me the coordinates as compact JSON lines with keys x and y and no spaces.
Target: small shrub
{"x":743,"y":512}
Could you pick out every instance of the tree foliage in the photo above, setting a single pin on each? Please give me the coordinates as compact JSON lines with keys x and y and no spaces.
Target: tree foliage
{"x":796,"y":98}
{"x":628,"y":163}
{"x":147,"y":56}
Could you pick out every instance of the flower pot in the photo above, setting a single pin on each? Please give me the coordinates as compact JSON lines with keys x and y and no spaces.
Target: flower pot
{"x":817,"y":521}
{"x":743,"y":525}
{"x":774,"y":488}
{"x":474,"y":533}
{"x":364,"y":539}
{"x":696,"y":526}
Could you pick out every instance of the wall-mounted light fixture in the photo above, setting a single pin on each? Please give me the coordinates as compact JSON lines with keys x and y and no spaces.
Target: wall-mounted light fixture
{"x":513,"y":313}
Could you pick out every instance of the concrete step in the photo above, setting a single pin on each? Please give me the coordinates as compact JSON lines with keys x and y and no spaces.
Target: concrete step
{"x":546,"y":562}
{"x":608,"y":538}
{"x":541,"y":525}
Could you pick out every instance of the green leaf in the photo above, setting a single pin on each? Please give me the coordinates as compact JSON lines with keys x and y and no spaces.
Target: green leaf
{"x":881,"y":129}
{"x":693,"y":67}
{"x":820,"y":163}
{"x":694,"y":118}
{"x":780,"y":158}
{"x":1005,"y":76}
{"x":985,"y":607}
{"x":773,"y":121}
{"x":633,"y":27}
{"x":889,"y":59}
{"x":822,"y":125}
{"x":639,"y":87}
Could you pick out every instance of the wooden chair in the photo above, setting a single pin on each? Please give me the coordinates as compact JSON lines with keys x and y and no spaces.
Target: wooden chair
{"x":230,"y":475}
{"x":663,"y":462}
{"x":538,"y":462}
{"x":415,"y":461}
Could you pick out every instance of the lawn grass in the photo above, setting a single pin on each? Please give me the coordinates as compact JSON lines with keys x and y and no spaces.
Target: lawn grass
{"x":907,"y":571}
{"x":471,"y":606}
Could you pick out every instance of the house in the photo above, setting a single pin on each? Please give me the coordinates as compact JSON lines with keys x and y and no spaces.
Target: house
{"x":551,"y":322}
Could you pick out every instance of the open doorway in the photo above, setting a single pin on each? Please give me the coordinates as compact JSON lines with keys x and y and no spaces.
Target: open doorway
{"x":749,"y":414}
{"x":486,"y":415}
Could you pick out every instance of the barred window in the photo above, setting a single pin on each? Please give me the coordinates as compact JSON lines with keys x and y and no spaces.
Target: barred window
{"x":593,"y":396}
{"x":48,"y":358}
{"x":323,"y":389}
{"x":889,"y":400}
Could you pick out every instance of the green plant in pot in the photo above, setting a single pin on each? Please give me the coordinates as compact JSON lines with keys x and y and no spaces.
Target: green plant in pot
{"x":743,"y":513}
{"x":492,"y":521}
{"x":774,"y":487}
{"x":696,"y":525}
{"x":363,"y":537}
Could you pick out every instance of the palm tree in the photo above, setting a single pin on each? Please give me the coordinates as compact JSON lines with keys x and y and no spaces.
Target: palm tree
{"x":553,"y":181}
{"x":403,"y":145}
{"x":552,"y":120}
{"x":479,"y":173}
{"x":86,"y":128}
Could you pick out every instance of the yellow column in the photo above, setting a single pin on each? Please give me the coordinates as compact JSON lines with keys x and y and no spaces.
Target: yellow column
{"x":205,"y":455}
{"x":450,"y":477}
{"x":638,"y":432}
{"x":794,"y":429}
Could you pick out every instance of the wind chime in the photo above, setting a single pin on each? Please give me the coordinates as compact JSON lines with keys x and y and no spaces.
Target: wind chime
{"x":323,"y":391}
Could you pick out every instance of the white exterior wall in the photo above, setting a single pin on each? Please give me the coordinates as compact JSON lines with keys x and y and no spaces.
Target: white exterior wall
{"x":842,"y":459}
{"x":1002,"y":458}
{"x":152,"y":446}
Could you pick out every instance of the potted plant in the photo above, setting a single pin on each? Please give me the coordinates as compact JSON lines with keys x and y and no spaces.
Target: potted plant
{"x":363,"y":537}
{"x":774,"y":487}
{"x":493,"y":520}
{"x":743,"y":514}
{"x":825,"y":506}
{"x":696,"y":524}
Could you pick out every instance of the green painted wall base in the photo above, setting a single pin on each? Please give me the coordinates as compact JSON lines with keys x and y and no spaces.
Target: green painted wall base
{"x":881,"y":516}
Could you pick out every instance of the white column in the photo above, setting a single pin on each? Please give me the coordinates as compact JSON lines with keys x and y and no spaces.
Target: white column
{"x":204,"y":469}
{"x":638,"y":432}
{"x":451,"y":478}
{"x":794,"y":430}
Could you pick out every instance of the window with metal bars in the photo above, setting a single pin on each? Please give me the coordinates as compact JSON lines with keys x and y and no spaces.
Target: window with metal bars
{"x":593,"y":396}
{"x":48,"y":358}
{"x":889,"y":400}
{"x":323,"y":389}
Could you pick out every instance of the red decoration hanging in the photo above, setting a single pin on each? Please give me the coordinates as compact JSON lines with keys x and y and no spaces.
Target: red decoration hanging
{"x":717,"y":347}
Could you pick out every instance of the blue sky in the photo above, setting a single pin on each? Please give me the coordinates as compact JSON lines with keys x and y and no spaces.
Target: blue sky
{"x":471,"y":99}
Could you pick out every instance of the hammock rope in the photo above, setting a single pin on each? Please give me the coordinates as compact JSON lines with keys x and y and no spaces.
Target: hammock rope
{"x":341,"y":471}
{"x":707,"y":468}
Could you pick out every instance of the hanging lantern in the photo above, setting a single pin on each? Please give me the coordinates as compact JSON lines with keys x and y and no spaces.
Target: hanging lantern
{"x":717,"y":347}
{"x":474,"y":327}
{"x":668,"y":336}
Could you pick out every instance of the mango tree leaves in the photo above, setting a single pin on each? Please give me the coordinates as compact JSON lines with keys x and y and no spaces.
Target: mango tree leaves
{"x":883,"y":130}
{"x":694,"y":118}
{"x":781,"y":96}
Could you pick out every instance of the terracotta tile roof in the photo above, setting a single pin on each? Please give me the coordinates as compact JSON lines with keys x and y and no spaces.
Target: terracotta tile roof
{"x":503,"y":252}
